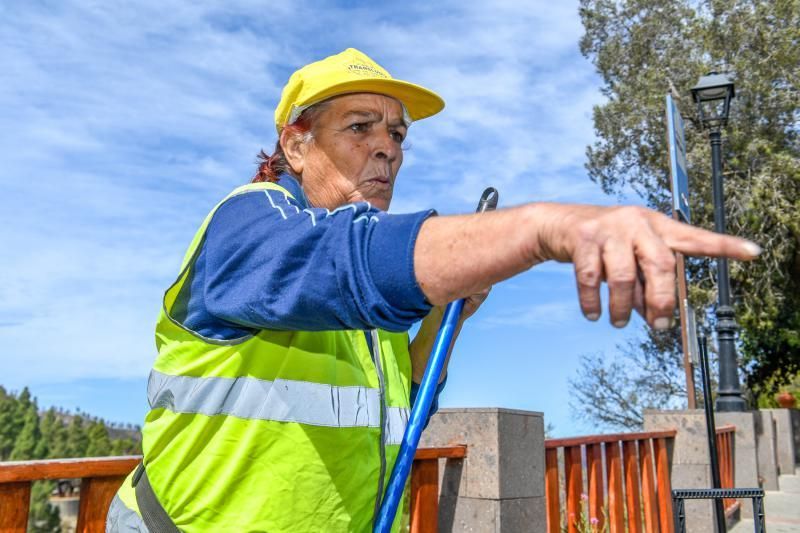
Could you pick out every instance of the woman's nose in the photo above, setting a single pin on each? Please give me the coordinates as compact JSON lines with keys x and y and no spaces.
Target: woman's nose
{"x":386,"y":147}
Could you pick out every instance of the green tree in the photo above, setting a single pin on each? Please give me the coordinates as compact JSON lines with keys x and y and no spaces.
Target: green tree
{"x":27,"y":434}
{"x":43,"y":517}
{"x":25,"y":401}
{"x":77,"y":438}
{"x":126,"y":446}
{"x":99,"y":443}
{"x":25,"y":447}
{"x":47,"y":428}
{"x":53,"y":443}
{"x":8,"y":428}
{"x":644,"y":48}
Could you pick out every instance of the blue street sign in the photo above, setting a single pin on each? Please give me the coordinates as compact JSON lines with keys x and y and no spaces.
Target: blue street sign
{"x":677,"y":160}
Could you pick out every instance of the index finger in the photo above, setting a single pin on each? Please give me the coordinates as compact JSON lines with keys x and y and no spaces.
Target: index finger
{"x":691,"y":240}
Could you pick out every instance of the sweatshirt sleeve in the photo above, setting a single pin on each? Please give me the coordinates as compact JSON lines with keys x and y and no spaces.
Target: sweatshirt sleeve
{"x":271,"y":264}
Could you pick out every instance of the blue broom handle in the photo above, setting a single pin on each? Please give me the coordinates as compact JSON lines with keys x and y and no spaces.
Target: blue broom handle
{"x":424,"y":400}
{"x":419,"y":413}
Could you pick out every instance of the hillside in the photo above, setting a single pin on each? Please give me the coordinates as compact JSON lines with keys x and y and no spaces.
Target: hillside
{"x":26,"y":432}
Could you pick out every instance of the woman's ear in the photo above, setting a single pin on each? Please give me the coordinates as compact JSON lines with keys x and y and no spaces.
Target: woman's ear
{"x":294,"y":148}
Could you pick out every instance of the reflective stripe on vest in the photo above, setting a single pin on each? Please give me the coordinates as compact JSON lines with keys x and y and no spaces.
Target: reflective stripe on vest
{"x":275,"y":431}
{"x":121,"y":519}
{"x":397,"y":419}
{"x":281,"y":400}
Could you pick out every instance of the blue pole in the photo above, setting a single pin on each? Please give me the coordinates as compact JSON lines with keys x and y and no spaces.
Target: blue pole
{"x":419,"y":414}
{"x":424,"y":400}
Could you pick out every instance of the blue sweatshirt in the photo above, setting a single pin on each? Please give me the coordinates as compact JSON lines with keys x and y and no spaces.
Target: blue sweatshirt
{"x":270,"y":261}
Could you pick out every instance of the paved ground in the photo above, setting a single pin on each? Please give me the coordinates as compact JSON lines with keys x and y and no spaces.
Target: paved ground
{"x":782,"y":509}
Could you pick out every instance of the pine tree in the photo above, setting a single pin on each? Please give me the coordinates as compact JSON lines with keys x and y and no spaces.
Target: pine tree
{"x":59,"y":444}
{"x":28,"y":438}
{"x":8,"y":431}
{"x":77,"y":439}
{"x":99,"y":443}
{"x":25,"y":400}
{"x":126,"y":446}
{"x":43,"y":517}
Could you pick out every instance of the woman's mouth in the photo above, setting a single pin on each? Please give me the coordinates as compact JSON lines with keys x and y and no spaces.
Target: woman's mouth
{"x":380,"y":182}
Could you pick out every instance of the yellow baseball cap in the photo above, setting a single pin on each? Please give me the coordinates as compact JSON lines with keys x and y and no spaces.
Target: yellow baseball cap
{"x":351,"y":71}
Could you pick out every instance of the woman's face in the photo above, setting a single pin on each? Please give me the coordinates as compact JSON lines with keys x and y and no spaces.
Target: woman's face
{"x":355,"y":154}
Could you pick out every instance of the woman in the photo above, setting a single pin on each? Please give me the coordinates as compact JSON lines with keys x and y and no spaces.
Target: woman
{"x":285,"y":373}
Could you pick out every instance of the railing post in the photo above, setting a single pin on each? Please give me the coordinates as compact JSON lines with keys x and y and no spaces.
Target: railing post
{"x":594,"y":467}
{"x":14,"y":504}
{"x":616,"y":500}
{"x":424,"y":495}
{"x":500,"y":485}
{"x":96,"y":496}
{"x":632,"y":486}
{"x":552,"y":491}
{"x":573,"y":481}
{"x":648,"y":486}
{"x":664,"y":485}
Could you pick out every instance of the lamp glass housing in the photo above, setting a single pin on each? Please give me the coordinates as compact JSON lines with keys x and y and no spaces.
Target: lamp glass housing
{"x":713,"y":94}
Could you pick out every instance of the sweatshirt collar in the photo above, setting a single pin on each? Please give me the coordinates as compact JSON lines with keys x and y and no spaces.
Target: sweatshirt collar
{"x":288,"y":182}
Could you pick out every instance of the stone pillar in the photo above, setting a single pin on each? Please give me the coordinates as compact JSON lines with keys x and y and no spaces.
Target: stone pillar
{"x":745,"y":453}
{"x":785,"y":438}
{"x":499,"y":486}
{"x":691,"y":463}
{"x":767,"y":452}
{"x":795,"y":416}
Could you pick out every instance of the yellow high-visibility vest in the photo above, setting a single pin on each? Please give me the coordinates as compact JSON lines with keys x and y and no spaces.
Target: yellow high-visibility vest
{"x":275,"y":431}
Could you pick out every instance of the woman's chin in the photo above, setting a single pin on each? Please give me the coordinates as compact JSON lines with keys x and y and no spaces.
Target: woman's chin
{"x":380,"y":203}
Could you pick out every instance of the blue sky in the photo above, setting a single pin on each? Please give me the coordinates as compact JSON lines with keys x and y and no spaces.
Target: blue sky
{"x":121,"y":125}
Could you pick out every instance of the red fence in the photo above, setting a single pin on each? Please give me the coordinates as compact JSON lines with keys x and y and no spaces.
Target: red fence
{"x":102,"y":476}
{"x":425,"y":486}
{"x":627,"y":483}
{"x":100,"y":479}
{"x":725,"y":435}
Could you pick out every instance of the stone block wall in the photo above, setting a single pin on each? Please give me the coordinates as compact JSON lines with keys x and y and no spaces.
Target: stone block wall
{"x":691,"y":462}
{"x":499,"y":486}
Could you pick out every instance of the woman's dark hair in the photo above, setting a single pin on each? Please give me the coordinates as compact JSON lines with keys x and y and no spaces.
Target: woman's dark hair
{"x":270,"y":167}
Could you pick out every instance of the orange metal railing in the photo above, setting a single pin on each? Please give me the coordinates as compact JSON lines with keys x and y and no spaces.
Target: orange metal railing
{"x":725,"y":436}
{"x":425,"y":486}
{"x":627,"y":483}
{"x":101,"y":477}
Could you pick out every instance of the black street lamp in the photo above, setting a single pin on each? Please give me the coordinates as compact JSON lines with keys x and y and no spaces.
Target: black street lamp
{"x":713,"y":94}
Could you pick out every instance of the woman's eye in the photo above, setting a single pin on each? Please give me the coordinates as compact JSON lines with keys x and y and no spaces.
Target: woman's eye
{"x":359,"y":127}
{"x":397,"y":136}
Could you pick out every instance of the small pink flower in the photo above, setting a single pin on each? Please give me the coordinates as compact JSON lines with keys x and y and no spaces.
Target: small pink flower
{"x":594,"y":521}
{"x":584,"y":496}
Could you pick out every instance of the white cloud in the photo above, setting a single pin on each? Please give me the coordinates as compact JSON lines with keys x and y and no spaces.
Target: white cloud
{"x":534,"y":316}
{"x":121,"y":125}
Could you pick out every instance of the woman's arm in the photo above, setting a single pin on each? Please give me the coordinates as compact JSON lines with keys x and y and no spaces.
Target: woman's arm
{"x":270,"y":262}
{"x":630,"y":248}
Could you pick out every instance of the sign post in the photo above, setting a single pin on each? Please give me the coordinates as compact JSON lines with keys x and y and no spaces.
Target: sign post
{"x":679,"y":184}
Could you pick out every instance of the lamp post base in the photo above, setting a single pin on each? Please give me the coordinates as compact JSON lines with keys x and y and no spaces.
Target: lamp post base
{"x":730,"y":404}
